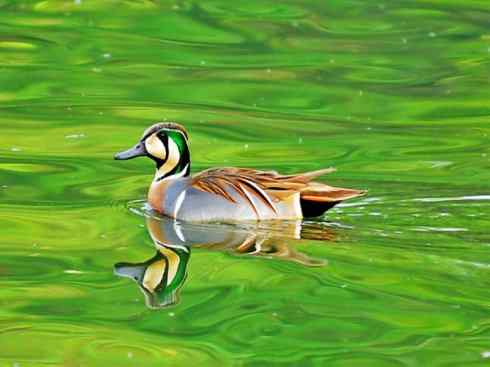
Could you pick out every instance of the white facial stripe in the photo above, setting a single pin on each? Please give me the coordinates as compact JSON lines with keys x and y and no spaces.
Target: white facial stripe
{"x":172,"y":160}
{"x":155,"y":147}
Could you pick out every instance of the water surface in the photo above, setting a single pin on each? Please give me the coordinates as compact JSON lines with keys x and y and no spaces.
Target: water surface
{"x":394,"y":94}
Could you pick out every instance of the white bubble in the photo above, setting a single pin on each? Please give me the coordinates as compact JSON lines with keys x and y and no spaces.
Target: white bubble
{"x":72,"y":271}
{"x":75,"y":136}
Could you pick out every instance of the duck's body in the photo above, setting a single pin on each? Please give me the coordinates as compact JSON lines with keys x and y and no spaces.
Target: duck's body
{"x":227,"y":194}
{"x":181,"y":200}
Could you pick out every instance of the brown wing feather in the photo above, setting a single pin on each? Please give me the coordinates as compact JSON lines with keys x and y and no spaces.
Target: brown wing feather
{"x":262,"y":184}
{"x":329,"y":194}
{"x":270,"y":187}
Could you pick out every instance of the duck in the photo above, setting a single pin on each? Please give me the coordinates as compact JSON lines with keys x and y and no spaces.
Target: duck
{"x":227,"y":194}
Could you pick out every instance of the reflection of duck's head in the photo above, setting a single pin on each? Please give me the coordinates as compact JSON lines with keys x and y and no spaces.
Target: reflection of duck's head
{"x":160,"y":277}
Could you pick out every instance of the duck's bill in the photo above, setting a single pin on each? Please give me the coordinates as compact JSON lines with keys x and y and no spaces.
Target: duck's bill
{"x":137,"y":151}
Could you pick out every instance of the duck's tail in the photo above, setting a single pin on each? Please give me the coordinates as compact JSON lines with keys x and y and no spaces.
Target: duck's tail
{"x":316,"y":198}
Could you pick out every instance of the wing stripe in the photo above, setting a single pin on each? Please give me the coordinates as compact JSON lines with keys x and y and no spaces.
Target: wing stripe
{"x":250,"y":200}
{"x":262,"y":194}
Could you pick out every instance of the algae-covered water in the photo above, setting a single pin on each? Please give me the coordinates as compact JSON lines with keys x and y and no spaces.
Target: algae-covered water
{"x":395,"y":94}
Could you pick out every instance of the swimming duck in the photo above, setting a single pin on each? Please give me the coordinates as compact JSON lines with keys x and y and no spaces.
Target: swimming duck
{"x":226,"y":194}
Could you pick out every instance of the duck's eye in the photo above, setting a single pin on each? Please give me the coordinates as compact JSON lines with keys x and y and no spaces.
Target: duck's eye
{"x":155,"y":147}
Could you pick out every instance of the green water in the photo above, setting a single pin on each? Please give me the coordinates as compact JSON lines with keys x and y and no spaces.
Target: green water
{"x":394,"y":94}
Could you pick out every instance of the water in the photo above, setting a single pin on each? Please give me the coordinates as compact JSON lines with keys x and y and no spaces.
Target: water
{"x":395,"y":95}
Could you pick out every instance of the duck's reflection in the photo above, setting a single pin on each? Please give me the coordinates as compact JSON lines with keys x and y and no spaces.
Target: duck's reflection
{"x":161,"y":277}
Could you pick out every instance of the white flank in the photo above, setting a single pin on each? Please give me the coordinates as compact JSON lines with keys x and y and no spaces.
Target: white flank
{"x":298,"y":212}
{"x":173,"y":157}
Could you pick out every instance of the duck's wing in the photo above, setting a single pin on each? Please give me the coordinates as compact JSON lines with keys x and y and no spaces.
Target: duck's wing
{"x":270,"y":186}
{"x":245,"y":182}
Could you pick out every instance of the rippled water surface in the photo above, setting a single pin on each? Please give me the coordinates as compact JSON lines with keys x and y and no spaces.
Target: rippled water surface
{"x":394,"y":94}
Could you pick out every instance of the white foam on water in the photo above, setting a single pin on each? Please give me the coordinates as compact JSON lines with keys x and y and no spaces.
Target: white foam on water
{"x":72,"y":271}
{"x":458,"y":198}
{"x":440,"y":229}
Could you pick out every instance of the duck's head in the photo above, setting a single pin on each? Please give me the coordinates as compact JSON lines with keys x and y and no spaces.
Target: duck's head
{"x":167,"y":144}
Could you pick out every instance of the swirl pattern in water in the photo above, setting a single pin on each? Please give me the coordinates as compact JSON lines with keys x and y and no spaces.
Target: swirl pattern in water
{"x":395,"y":95}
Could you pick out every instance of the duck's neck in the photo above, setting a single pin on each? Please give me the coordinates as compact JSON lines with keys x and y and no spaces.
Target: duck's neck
{"x":176,"y":165}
